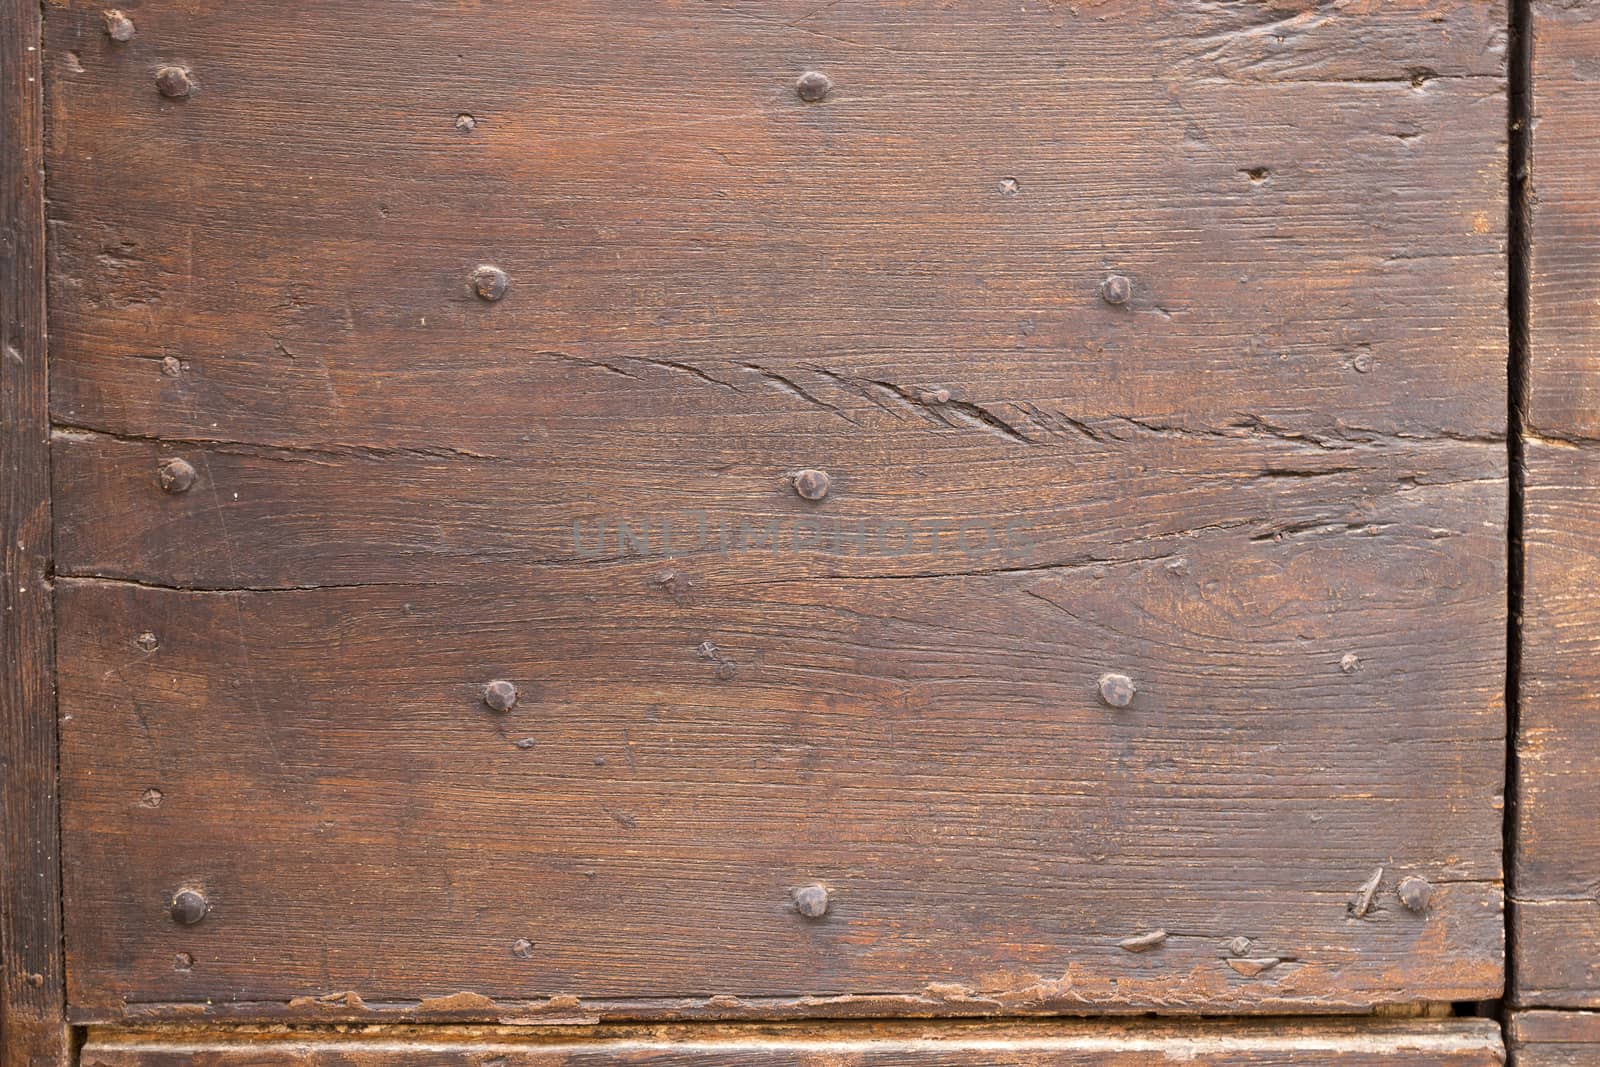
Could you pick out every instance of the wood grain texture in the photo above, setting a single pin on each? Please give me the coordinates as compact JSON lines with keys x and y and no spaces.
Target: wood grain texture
{"x":1270,"y":489}
{"x":1553,"y":1038}
{"x":32,"y":1020}
{"x":1564,"y":320}
{"x":1556,"y":919}
{"x":667,"y":208}
{"x":932,"y":749}
{"x":1371,"y":1043}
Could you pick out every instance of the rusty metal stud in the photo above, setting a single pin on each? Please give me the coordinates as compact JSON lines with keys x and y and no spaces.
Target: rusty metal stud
{"x":813,"y":86}
{"x":174,"y":82}
{"x":490,"y":283}
{"x":1415,"y":893}
{"x":813,"y":485}
{"x":189,"y":906}
{"x":500,"y":695}
{"x":176,"y":475}
{"x":119,"y":27}
{"x":811,"y":901}
{"x":1117,"y":690}
{"x":1116,"y":290}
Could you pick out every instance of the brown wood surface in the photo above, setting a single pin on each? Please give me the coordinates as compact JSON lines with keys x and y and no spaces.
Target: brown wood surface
{"x":32,"y":1021}
{"x":1556,"y":919}
{"x":1553,"y":1038}
{"x":1370,"y":1043}
{"x":1270,"y":489}
{"x":1564,"y":357}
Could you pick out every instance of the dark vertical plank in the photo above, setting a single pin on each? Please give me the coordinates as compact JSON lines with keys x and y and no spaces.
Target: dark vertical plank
{"x":31,"y":985}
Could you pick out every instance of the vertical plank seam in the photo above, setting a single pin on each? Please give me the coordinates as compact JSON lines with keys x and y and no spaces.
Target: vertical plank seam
{"x":1519,"y":251}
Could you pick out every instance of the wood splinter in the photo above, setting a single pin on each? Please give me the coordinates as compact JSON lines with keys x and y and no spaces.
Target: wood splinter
{"x":1143,"y":942}
{"x":1362,"y":903}
{"x":1252,"y":966}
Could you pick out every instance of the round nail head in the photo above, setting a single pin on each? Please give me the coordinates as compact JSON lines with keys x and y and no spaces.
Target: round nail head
{"x":500,"y":695}
{"x":188,"y":906}
{"x":811,"y":901}
{"x":1116,"y":290}
{"x":812,"y":484}
{"x":119,"y":27}
{"x":176,"y":475}
{"x":1117,"y":690}
{"x":490,"y":283}
{"x":174,"y":82}
{"x":813,"y":86}
{"x":1415,"y":893}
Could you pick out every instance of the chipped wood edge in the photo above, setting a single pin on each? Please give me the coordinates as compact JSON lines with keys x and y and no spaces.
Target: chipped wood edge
{"x":33,"y":1029}
{"x":1551,"y":1027}
{"x":1178,"y":1039}
{"x":474,"y":1009}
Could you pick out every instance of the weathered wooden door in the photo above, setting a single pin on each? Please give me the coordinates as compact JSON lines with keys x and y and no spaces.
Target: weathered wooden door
{"x":698,"y":533}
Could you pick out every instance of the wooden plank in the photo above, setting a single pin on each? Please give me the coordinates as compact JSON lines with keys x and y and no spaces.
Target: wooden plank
{"x":717,"y":225}
{"x":32,"y":1020}
{"x":1369,"y":1043}
{"x":262,"y":517}
{"x":1269,"y":488}
{"x":1564,"y":354}
{"x":931,"y":748}
{"x":1553,"y":1038}
{"x":1556,"y":918}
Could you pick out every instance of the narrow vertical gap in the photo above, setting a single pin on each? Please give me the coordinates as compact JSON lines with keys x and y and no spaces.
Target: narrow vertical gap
{"x":1519,"y":132}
